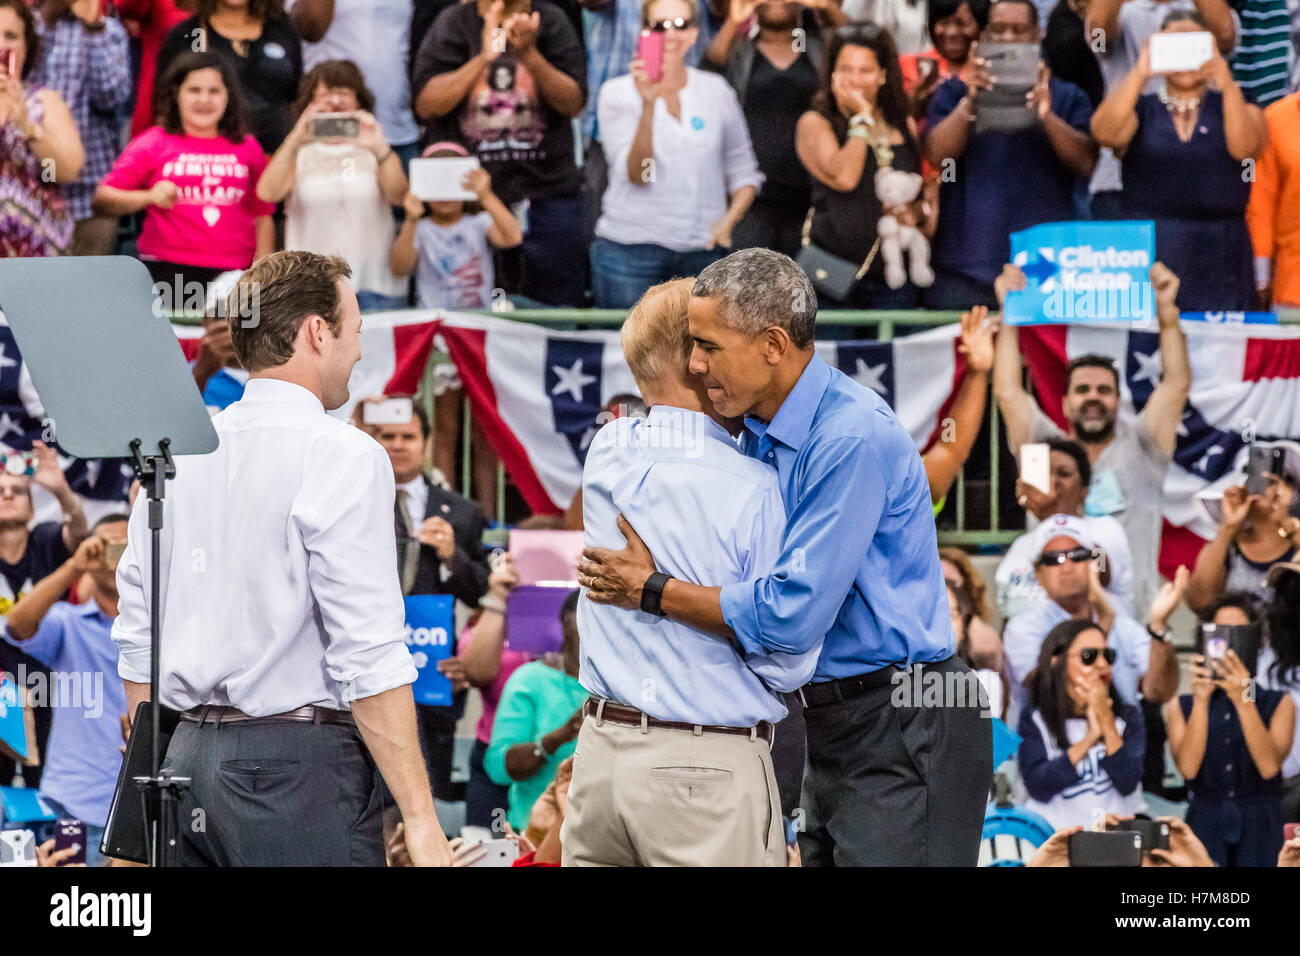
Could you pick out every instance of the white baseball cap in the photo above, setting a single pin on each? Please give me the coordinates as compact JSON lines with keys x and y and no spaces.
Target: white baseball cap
{"x":1062,"y":526}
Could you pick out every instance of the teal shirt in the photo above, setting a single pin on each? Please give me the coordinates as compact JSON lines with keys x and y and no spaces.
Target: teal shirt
{"x":535,"y":701}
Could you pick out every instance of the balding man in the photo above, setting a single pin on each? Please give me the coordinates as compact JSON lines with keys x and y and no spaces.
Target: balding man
{"x":899,"y":761}
{"x":673,"y":765}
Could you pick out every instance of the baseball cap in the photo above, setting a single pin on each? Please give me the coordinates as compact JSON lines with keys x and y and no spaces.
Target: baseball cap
{"x":1062,"y":526}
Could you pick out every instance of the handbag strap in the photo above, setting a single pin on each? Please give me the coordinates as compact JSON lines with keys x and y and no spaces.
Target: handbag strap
{"x":807,"y":233}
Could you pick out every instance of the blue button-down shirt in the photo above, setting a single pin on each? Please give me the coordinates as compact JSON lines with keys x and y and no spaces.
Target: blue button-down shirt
{"x":710,"y":515}
{"x":859,"y":573}
{"x":81,"y":765}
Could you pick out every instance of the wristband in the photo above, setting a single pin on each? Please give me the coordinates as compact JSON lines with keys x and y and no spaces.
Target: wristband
{"x":652,"y":593}
{"x":489,"y":603}
{"x":383,"y":159}
{"x":1162,"y":637}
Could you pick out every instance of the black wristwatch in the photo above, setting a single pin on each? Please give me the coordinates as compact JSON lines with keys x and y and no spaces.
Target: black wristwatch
{"x":1162,"y":637}
{"x":652,"y":593}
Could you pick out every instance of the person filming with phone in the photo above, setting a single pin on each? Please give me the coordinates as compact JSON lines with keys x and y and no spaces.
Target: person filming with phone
{"x":682,"y":170}
{"x":1182,"y":150}
{"x":340,"y":178}
{"x":40,"y":148}
{"x":1229,"y":738}
{"x":1256,"y":527}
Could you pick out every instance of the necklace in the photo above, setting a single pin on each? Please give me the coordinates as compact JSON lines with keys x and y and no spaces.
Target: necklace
{"x":1178,"y":105}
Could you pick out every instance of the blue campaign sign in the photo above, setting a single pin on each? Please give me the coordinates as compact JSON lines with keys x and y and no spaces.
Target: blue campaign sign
{"x":13,"y":731}
{"x":1081,"y":272}
{"x":429,"y":625}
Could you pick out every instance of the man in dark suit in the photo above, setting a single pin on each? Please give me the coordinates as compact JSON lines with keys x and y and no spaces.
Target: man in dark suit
{"x":439,"y":551}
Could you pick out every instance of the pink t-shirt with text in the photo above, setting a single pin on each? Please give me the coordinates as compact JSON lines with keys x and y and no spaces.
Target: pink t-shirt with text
{"x":211,"y":223}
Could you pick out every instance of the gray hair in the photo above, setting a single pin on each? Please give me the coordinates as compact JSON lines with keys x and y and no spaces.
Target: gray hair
{"x":759,"y":288}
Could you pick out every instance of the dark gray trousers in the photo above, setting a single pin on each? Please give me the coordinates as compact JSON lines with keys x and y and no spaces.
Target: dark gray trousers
{"x":282,"y":793}
{"x":893,"y":782}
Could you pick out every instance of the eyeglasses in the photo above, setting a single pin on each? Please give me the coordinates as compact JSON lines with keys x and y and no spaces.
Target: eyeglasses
{"x":675,"y":23}
{"x":1056,"y":558}
{"x":1089,"y":655}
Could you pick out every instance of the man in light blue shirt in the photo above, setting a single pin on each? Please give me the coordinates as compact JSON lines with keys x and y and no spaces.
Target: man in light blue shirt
{"x":75,"y":642}
{"x":666,"y":695}
{"x":858,"y":581}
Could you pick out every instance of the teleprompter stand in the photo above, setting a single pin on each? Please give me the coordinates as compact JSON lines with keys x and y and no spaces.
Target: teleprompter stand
{"x":114,"y":384}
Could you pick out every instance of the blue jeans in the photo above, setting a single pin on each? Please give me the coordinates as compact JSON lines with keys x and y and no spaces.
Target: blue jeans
{"x":620,"y":273}
{"x":94,"y":834}
{"x":368,"y":301}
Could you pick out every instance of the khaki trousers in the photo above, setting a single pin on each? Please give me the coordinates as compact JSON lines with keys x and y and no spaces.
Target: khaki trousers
{"x":666,"y":797}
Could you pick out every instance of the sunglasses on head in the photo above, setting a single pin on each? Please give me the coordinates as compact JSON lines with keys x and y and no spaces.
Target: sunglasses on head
{"x":673,"y":23}
{"x":1089,"y":655}
{"x":1051,"y":559}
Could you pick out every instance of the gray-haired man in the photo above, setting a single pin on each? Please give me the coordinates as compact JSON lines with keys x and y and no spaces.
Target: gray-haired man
{"x":890,"y":782}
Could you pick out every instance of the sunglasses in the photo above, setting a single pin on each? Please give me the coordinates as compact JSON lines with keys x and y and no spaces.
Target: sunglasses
{"x":1089,"y":655}
{"x":675,"y":23}
{"x":1052,"y":559}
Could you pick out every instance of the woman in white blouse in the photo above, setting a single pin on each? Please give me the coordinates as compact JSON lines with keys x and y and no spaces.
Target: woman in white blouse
{"x":682,"y":171}
{"x":340,"y":191}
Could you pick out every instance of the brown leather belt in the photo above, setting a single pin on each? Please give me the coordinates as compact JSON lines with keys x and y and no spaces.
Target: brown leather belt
{"x":630,"y":716}
{"x":211,"y":713}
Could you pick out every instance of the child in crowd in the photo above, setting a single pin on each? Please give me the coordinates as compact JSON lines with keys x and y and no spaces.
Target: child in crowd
{"x":448,"y":244}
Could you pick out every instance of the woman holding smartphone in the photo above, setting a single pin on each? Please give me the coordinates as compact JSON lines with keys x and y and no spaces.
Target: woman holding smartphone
{"x":1183,"y":151}
{"x":39,"y":146}
{"x":195,"y":176}
{"x":339,"y":191}
{"x":1229,"y":738}
{"x":682,"y":170}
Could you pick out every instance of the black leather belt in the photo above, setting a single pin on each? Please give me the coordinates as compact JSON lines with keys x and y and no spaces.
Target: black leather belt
{"x":845,"y":688}
{"x":631,"y":717}
{"x":211,"y":713}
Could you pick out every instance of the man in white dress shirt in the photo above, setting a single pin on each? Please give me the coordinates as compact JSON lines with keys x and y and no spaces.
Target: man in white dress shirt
{"x":673,"y":766}
{"x":282,"y":617}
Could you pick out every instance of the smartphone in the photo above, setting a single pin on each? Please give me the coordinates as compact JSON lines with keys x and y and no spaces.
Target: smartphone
{"x":391,"y":411}
{"x":19,"y":463}
{"x":1243,"y":639}
{"x":1290,"y":831}
{"x":17,"y":848}
{"x":1180,"y":52}
{"x":70,"y":833}
{"x":1154,"y":833}
{"x":499,"y":853}
{"x":336,"y":126}
{"x":1105,"y":848}
{"x":650,"y":51}
{"x":1260,"y":463}
{"x":1036,"y":466}
{"x":926,"y":67}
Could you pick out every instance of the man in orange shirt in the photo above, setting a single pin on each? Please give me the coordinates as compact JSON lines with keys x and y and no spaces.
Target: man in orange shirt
{"x":1274,"y":211}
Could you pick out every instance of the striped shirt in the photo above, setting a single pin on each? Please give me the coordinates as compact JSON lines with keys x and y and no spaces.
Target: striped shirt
{"x":1261,"y":63}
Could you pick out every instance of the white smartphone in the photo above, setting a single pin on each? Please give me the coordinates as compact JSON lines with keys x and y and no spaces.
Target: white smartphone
{"x":1180,"y":52}
{"x":438,"y":179}
{"x":1036,"y":466}
{"x":391,"y":411}
{"x":498,"y":853}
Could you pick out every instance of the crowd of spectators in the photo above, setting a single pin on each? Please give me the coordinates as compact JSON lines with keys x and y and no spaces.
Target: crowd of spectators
{"x":183,"y":134}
